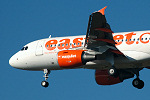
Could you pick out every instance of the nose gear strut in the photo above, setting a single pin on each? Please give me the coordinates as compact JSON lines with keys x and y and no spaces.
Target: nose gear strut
{"x":46,"y":73}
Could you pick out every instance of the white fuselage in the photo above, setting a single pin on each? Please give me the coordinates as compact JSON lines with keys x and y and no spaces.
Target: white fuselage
{"x":42,"y":54}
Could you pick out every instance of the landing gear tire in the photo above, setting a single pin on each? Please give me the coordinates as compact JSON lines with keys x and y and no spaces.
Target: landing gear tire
{"x":138,"y":83}
{"x":113,"y":72}
{"x":46,"y":73}
{"x":45,"y":84}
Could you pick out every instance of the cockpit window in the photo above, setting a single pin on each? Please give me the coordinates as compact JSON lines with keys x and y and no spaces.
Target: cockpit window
{"x":24,"y":48}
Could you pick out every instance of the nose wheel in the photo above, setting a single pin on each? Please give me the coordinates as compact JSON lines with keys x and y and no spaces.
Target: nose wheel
{"x":44,"y":83}
{"x":46,"y":73}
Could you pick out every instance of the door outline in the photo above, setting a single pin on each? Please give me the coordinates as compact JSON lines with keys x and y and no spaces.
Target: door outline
{"x":39,"y":48}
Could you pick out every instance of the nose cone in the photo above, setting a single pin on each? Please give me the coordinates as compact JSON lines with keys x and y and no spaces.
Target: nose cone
{"x":13,"y":61}
{"x":16,"y":61}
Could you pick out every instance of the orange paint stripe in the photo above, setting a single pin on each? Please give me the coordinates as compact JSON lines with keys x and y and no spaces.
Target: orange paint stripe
{"x":106,"y":40}
{"x":116,"y":51}
{"x":104,"y":30}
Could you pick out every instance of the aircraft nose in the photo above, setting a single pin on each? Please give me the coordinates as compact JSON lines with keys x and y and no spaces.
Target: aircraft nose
{"x":12,"y":61}
{"x":16,"y":62}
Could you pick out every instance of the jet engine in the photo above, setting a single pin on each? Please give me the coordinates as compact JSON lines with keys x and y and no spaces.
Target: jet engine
{"x":73,"y":58}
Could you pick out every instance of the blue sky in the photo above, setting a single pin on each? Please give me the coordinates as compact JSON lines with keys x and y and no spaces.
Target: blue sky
{"x":23,"y":21}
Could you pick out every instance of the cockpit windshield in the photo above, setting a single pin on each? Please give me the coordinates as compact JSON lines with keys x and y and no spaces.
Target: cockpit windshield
{"x":24,"y":48}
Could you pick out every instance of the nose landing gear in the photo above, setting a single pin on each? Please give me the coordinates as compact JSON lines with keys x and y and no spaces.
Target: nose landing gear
{"x":46,"y":73}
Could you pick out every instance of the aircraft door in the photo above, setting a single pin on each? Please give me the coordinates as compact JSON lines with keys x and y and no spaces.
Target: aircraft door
{"x":39,"y":48}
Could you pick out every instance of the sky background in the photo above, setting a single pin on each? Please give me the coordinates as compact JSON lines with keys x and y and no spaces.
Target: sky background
{"x":23,"y":21}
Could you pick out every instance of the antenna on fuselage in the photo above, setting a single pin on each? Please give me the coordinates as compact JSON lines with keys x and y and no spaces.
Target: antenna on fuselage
{"x":50,"y":36}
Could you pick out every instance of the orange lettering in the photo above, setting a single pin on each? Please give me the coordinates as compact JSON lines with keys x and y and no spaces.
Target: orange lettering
{"x":51,"y":45}
{"x":118,"y":37}
{"x":142,"y":40}
{"x":77,"y":42}
{"x":65,"y":44}
{"x":128,"y":38}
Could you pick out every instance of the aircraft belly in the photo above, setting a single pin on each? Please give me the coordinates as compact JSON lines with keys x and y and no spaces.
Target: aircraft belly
{"x":136,"y":55}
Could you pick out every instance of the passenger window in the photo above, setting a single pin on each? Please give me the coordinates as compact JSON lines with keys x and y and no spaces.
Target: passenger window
{"x":62,"y":45}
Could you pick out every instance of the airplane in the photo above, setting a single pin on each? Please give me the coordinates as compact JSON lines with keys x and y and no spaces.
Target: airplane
{"x":115,"y":57}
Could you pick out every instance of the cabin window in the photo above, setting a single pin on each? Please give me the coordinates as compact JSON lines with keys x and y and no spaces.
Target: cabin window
{"x":63,"y":45}
{"x":78,"y":43}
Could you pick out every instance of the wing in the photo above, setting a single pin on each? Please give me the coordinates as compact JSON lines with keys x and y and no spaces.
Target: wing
{"x":99,"y":34}
{"x":99,"y":40}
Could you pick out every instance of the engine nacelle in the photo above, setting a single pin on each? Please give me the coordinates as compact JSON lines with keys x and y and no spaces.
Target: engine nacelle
{"x":73,"y":58}
{"x":103,"y":78}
